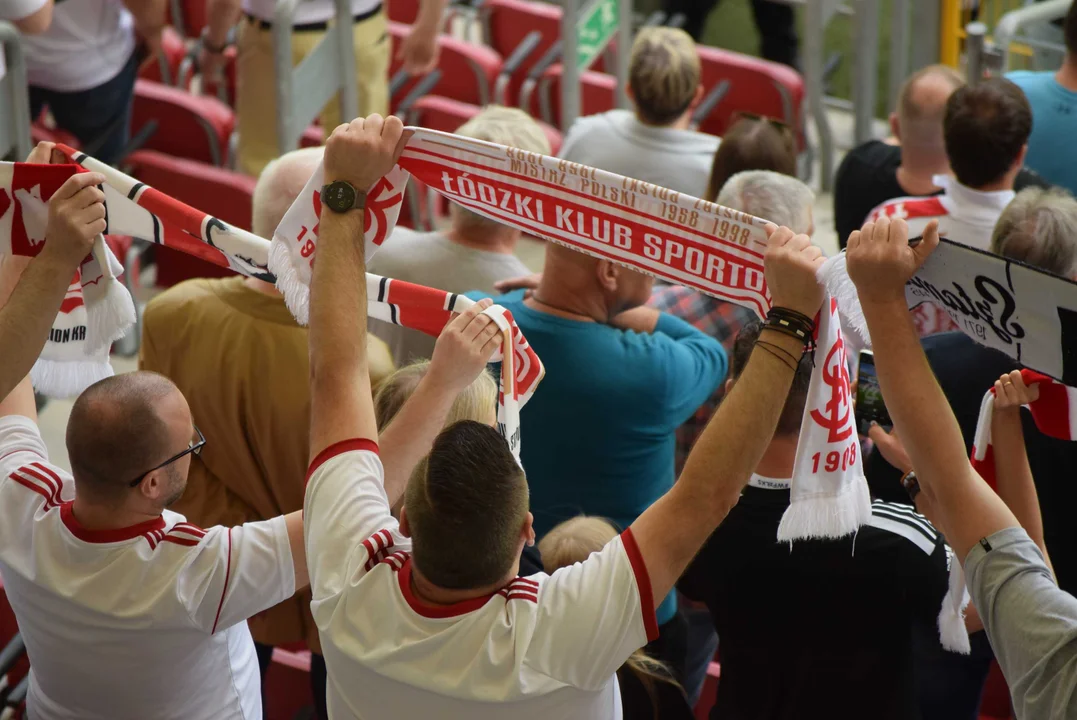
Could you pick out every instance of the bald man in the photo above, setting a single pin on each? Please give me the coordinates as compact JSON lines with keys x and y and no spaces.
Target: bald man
{"x":904,"y":164}
{"x":620,"y":379}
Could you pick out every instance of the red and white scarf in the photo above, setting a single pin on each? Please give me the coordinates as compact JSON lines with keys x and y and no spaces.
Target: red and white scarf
{"x":1054,"y":412}
{"x":674,"y":237}
{"x":138,"y":210}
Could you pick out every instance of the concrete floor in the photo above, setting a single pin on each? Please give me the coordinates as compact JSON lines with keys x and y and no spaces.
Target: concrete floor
{"x":53,"y":419}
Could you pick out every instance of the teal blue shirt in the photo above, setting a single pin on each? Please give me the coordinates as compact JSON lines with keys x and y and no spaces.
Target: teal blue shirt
{"x":1052,"y":151}
{"x":598,"y":435}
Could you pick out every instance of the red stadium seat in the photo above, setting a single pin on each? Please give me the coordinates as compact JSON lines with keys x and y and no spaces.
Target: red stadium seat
{"x":287,"y":685}
{"x":438,"y":113}
{"x":756,"y":86}
{"x":190,"y":126}
{"x":192,"y":16}
{"x":402,"y":11}
{"x":598,"y":93}
{"x":222,"y":193}
{"x":40,"y":133}
{"x":468,"y":71}
{"x":168,"y":66}
{"x":508,"y":23}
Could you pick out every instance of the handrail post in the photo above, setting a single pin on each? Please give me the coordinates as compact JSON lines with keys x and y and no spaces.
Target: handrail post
{"x":17,"y":121}
{"x":282,"y":67}
{"x":624,"y":51}
{"x":349,"y":90}
{"x":570,"y":70}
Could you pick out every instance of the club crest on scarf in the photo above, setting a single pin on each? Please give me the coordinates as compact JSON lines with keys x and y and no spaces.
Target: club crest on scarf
{"x":834,"y":415}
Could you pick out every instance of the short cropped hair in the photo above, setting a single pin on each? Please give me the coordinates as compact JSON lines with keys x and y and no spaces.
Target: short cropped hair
{"x":279,"y":185}
{"x":921,"y":124}
{"x":781,"y":199}
{"x":511,"y":127}
{"x":752,"y":144}
{"x":1039,"y":228}
{"x":114,"y":433}
{"x":793,"y":411}
{"x":985,"y":127}
{"x":466,"y":504}
{"x":474,"y":403}
{"x":664,"y":73}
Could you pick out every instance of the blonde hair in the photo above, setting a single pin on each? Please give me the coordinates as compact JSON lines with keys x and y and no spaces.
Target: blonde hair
{"x":511,"y":127}
{"x":664,"y":74}
{"x":475,"y":403}
{"x":279,"y":185}
{"x":573,"y":541}
{"x":1039,"y":228}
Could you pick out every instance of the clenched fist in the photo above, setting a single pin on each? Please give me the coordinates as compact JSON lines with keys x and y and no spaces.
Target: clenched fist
{"x":76,"y":217}
{"x":881,"y":261}
{"x":790,"y":264}
{"x":363,"y":151}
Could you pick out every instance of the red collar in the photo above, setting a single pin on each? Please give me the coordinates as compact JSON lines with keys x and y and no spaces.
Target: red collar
{"x":107,"y":536}
{"x":436,"y":611}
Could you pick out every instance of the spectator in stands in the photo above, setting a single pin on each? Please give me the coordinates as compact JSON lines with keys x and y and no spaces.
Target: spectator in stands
{"x":774,"y":20}
{"x":1029,"y":620}
{"x":239,"y":357}
{"x":1053,"y":97}
{"x":620,"y":379}
{"x":752,"y":143}
{"x":83,"y":66}
{"x":126,"y":609}
{"x":985,"y":129}
{"x":256,"y":100}
{"x":772,"y":196}
{"x":472,"y":254}
{"x":906,"y":164}
{"x":648,"y":690}
{"x":427,"y":618}
{"x":653,"y":142}
{"x":810,"y":603}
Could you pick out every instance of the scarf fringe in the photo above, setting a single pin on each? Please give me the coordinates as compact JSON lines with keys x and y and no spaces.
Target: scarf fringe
{"x":66,"y":379}
{"x":827,"y":516}
{"x":953,"y":634}
{"x":109,"y":317}
{"x":296,"y":294}
{"x":834,"y":274}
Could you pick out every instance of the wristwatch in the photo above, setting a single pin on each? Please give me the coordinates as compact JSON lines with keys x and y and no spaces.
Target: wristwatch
{"x":341,"y":196}
{"x":911,"y":484}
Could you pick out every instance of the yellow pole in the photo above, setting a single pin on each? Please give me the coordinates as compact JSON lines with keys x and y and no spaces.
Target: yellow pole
{"x":949,"y":39}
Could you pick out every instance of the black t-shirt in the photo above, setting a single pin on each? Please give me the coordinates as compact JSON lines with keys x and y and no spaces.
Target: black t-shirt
{"x":818,"y":629}
{"x":867,"y":177}
{"x":965,"y":372}
{"x":651,"y":698}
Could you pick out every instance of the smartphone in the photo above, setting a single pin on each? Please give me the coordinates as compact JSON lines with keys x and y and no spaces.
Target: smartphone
{"x":869,"y":398}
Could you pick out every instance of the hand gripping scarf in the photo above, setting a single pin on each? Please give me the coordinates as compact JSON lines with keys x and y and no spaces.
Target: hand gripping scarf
{"x":671,"y":236}
{"x":135,"y":209}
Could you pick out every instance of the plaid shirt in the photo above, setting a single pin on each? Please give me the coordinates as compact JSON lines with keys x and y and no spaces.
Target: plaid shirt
{"x":719,"y":319}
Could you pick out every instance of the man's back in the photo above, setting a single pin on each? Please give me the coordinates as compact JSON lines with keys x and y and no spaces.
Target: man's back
{"x":537,"y":648}
{"x":616,"y":141}
{"x":817,"y":628}
{"x":599,"y":438}
{"x":431,"y":259}
{"x":1051,"y":152}
{"x":140,"y":622}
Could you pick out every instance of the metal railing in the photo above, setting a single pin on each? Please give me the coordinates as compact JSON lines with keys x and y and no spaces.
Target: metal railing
{"x":1025,"y":35}
{"x":329,"y":68}
{"x":1037,"y":48}
{"x":14,"y":97}
{"x":570,"y":78}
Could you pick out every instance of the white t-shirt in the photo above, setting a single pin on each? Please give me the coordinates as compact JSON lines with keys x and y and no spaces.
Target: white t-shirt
{"x":308,"y":11}
{"x":143,"y":622}
{"x":12,"y":10}
{"x":539,"y":648}
{"x":87,"y":45}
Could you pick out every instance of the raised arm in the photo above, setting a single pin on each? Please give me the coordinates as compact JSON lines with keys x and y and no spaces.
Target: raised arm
{"x":880,"y":263}
{"x":76,"y":216}
{"x":462,"y":351}
{"x":1013,"y":476}
{"x":358,"y":153}
{"x":221,"y":17}
{"x":30,"y":17}
{"x":671,"y":531}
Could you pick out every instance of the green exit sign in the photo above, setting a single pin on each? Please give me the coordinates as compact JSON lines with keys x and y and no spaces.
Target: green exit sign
{"x":597,"y":25}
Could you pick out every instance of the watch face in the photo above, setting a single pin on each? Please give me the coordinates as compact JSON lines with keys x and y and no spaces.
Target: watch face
{"x":340,"y":196}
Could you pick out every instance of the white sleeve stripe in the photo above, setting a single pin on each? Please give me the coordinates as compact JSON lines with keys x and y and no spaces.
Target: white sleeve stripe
{"x":906,"y":531}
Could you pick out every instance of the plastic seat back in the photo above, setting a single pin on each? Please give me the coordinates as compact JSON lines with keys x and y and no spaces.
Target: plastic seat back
{"x":195,"y":127}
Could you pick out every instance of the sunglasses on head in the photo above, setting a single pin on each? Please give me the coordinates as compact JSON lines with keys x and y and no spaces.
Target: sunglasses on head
{"x":193,"y":448}
{"x":776,"y":124}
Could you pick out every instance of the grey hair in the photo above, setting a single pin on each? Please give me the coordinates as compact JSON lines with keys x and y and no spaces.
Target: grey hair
{"x":507,"y":126}
{"x":1039,"y":228}
{"x":778,"y":198}
{"x":279,"y":185}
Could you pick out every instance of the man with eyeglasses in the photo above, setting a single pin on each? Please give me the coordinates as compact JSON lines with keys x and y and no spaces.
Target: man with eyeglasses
{"x":127,"y":610}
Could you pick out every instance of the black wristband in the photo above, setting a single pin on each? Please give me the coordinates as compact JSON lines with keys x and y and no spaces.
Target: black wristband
{"x":791,"y":323}
{"x":911,"y":484}
{"x":210,"y":47}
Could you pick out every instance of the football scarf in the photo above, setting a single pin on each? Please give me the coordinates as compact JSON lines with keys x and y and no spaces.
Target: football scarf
{"x":674,"y":237}
{"x":1054,"y":412}
{"x":67,"y":366}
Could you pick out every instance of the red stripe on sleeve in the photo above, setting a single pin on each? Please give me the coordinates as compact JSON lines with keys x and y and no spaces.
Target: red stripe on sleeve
{"x":643,"y":584}
{"x":339,"y":448}
{"x":227,"y":577}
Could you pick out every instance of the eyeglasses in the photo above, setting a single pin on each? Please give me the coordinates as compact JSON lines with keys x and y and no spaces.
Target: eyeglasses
{"x":193,"y":448}
{"x":776,"y":124}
